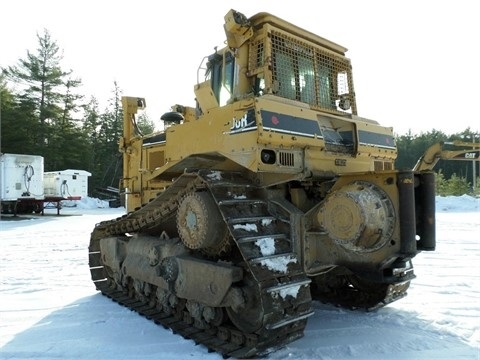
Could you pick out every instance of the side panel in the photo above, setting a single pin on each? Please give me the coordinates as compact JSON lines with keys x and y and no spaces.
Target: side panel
{"x":21,"y":176}
{"x":66,"y":183}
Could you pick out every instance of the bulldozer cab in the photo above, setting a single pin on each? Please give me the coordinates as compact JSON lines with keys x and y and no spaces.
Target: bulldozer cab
{"x":304,"y":68}
{"x":219,"y":74}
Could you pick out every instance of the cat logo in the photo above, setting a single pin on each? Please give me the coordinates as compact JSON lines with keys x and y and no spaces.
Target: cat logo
{"x":246,"y":123}
{"x":238,"y":124}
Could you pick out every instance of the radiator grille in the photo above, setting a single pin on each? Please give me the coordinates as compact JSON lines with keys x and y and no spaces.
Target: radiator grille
{"x":378,"y":165}
{"x":382,"y":165}
{"x":286,"y":159}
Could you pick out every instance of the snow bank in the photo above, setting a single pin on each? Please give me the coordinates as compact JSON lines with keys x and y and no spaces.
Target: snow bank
{"x":464,"y":203}
{"x":86,"y":203}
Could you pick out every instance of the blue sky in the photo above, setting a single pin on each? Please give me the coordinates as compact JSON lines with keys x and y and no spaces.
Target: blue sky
{"x":415,"y":63}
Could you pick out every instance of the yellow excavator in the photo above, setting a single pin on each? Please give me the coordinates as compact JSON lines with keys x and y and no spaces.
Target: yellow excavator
{"x":266,"y":194}
{"x":437,"y":152}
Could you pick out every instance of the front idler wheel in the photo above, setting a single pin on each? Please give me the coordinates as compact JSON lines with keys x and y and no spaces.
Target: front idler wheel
{"x":200,"y":224}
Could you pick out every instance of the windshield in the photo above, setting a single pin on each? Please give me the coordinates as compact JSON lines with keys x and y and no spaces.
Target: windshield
{"x":220,"y":72}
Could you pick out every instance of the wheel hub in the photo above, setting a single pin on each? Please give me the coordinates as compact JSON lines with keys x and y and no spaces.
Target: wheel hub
{"x":200,"y":224}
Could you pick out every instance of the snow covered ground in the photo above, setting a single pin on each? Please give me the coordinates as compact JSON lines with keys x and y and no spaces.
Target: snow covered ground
{"x":49,"y":308}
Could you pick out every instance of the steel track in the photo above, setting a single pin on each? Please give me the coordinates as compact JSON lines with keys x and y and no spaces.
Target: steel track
{"x":283,"y":317}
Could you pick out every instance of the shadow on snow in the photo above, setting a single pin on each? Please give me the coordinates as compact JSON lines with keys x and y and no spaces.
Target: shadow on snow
{"x":96,"y":327}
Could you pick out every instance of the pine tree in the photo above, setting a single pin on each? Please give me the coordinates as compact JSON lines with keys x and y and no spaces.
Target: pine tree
{"x":91,"y":129}
{"x":109,"y":131}
{"x":18,"y":123}
{"x":48,"y":92}
{"x":145,"y":125}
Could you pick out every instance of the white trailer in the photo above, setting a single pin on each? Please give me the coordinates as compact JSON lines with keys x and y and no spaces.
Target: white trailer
{"x":21,"y":181}
{"x":68,"y":184}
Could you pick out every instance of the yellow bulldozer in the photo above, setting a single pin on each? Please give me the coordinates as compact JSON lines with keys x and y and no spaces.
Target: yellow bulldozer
{"x":268,"y":193}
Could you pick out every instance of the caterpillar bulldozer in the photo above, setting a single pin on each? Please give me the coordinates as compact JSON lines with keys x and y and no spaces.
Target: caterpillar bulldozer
{"x":270,"y":192}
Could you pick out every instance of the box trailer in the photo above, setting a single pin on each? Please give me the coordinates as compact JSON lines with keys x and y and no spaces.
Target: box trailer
{"x":69,"y":184}
{"x":21,"y":181}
